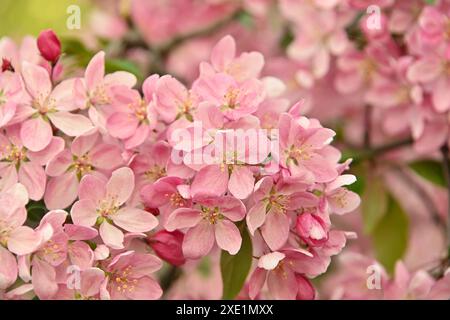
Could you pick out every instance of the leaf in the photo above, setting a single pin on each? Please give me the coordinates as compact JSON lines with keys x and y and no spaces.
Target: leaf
{"x":430,"y":2}
{"x":374,"y":204}
{"x":430,"y":170}
{"x":112,"y":65}
{"x":35,"y":211}
{"x":390,"y":238}
{"x":235,"y":268}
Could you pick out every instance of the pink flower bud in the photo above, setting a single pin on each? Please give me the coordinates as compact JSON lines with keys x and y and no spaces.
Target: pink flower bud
{"x":6,"y":65}
{"x":167,"y":245}
{"x":306,"y":290}
{"x":49,"y":46}
{"x":311,"y":229}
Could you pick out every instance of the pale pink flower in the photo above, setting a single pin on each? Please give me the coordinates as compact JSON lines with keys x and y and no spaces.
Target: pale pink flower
{"x":303,"y":149}
{"x":416,"y":286}
{"x":174,"y":100}
{"x":45,"y":106}
{"x":102,"y":203}
{"x":88,"y":154}
{"x":338,"y":199}
{"x":8,"y":269}
{"x":10,"y":95}
{"x":432,"y":70}
{"x":21,"y":165}
{"x":246,"y":66}
{"x":130,"y":277}
{"x":210,"y":220}
{"x":279,"y":269}
{"x":93,"y":91}
{"x":135,"y":117}
{"x":90,"y":282}
{"x":17,"y":238}
{"x":273,"y":203}
{"x":234,"y":99}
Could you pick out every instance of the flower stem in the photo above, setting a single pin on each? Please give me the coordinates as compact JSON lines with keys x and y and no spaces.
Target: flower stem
{"x":446,"y":167}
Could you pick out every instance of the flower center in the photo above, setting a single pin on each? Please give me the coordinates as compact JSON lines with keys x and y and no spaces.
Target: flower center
{"x":154,"y":173}
{"x":107,"y":208}
{"x":176,"y":200}
{"x":277,"y":202}
{"x":82,"y":165}
{"x":99,"y":96}
{"x":212,"y":215}
{"x":231,"y":98}
{"x":14,"y":154}
{"x":43,"y":104}
{"x":140,"y":110}
{"x":297,"y":154}
{"x":122,"y":282}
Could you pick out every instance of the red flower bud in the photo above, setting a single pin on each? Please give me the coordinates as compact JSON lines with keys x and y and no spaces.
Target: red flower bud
{"x":168,"y":246}
{"x":6,"y":65}
{"x":312,"y":229}
{"x":49,"y":46}
{"x":154,"y":211}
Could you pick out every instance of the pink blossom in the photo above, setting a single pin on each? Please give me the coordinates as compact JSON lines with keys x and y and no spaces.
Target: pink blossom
{"x":46,"y":106}
{"x":49,"y":46}
{"x":88,"y":154}
{"x":130,"y":277}
{"x":168,"y":246}
{"x":210,"y":220}
{"x":102,"y":203}
{"x":17,"y":238}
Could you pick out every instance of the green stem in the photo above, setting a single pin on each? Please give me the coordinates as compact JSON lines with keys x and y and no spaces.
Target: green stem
{"x":370,"y":153}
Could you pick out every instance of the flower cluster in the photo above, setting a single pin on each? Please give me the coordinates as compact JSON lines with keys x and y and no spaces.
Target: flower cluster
{"x":123,"y":195}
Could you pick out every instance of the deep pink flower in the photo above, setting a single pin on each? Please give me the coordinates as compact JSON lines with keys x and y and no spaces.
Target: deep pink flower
{"x":168,"y":246}
{"x":210,"y":220}
{"x":49,"y":46}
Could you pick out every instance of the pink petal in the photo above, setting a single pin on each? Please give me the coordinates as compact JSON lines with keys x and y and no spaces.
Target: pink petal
{"x":33,"y":177}
{"x":441,"y":94}
{"x":256,"y":217}
{"x":241,"y":182}
{"x":183,"y":218}
{"x":44,"y":279}
{"x":106,"y":156}
{"x":91,"y":281}
{"x":23,"y":240}
{"x":36,"y":134}
{"x":71,"y":124}
{"x":211,"y":180}
{"x":81,"y":254}
{"x":95,"y":71}
{"x":146,"y":289}
{"x":59,"y":164}
{"x":121,"y":184}
{"x":37,"y":80}
{"x":256,"y":282}
{"x":8,"y":269}
{"x":271,"y":260}
{"x":198,"y":241}
{"x":135,"y":220}
{"x":275,"y":230}
{"x":282,"y":285}
{"x":93,"y":188}
{"x":228,"y":236}
{"x":61,"y":191}
{"x":223,"y":53}
{"x":84,"y":213}
{"x":111,"y":235}
{"x":122,"y":125}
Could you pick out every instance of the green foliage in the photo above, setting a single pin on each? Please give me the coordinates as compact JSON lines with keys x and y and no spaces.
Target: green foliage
{"x":430,"y":170}
{"x":235,"y":268}
{"x":390,"y":237}
{"x":35,"y":211}
{"x":22,"y":17}
{"x":374,"y":204}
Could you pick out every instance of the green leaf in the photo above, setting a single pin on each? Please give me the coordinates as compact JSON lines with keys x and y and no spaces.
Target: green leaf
{"x":430,"y":170}
{"x":374,"y":204}
{"x":430,"y":2}
{"x":235,"y":268}
{"x":390,"y":238}
{"x":35,"y":211}
{"x":113,"y":65}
